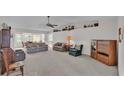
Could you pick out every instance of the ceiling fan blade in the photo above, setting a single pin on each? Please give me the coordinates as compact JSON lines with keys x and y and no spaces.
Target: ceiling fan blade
{"x":54,"y":25}
{"x":50,"y":25}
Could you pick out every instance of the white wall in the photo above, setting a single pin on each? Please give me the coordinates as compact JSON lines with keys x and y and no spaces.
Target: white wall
{"x":121,"y":48}
{"x":107,"y":30}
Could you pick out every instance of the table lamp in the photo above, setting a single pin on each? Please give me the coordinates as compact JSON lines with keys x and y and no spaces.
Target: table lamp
{"x":69,"y":38}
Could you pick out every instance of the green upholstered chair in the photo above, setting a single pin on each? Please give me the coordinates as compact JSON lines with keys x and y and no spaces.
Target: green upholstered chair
{"x":76,"y":51}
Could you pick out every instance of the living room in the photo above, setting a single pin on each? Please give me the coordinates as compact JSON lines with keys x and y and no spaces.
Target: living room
{"x":66,"y":46}
{"x":37,"y":37}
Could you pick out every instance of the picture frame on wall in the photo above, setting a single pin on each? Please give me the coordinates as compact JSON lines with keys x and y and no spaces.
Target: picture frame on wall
{"x":120,"y":33}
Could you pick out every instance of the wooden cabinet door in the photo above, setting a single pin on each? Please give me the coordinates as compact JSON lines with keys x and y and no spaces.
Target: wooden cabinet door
{"x":5,"y":38}
{"x":0,"y":58}
{"x":0,"y":38}
{"x":0,"y":49}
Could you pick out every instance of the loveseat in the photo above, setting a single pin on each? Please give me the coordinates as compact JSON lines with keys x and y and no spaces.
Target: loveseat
{"x":60,"y":47}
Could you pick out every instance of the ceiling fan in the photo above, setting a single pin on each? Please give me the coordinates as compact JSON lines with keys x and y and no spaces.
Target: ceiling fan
{"x":49,"y":24}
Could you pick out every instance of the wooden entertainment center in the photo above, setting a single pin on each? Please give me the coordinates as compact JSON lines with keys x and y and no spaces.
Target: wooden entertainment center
{"x":105,"y":51}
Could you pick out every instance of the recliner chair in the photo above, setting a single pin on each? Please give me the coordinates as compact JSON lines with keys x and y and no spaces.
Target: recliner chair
{"x":76,"y":51}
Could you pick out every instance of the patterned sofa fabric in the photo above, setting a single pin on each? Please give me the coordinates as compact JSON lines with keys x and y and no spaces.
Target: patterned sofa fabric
{"x":36,"y":47}
{"x":60,"y":47}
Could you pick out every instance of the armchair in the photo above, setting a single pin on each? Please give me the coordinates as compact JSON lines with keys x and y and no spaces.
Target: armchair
{"x":76,"y":51}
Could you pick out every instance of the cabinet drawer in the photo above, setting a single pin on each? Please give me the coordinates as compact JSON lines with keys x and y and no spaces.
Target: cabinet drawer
{"x":103,"y":58}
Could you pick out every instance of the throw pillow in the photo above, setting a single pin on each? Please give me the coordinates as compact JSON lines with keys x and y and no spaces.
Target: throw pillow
{"x":60,"y":44}
{"x":77,"y":47}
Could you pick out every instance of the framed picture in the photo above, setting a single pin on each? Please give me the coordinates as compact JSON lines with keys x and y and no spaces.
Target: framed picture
{"x":120,"y":33}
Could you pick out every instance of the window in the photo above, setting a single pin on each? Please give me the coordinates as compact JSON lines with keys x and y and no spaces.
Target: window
{"x":27,"y":37}
{"x":18,"y":41}
{"x":36,"y":38}
{"x":43,"y":37}
{"x":19,"y":38}
{"x":50,"y":38}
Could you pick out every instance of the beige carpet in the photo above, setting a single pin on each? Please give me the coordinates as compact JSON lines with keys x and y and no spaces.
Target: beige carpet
{"x":53,"y":63}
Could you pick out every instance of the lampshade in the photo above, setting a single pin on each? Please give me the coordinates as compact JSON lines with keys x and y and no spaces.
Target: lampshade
{"x":69,"y":38}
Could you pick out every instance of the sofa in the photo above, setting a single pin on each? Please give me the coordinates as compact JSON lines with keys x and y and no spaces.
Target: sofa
{"x":60,"y":47}
{"x":76,"y":51}
{"x":36,"y":47}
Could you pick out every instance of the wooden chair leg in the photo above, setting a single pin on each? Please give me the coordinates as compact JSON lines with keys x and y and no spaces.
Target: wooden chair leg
{"x":7,"y":73}
{"x":22,"y":70}
{"x":3,"y":70}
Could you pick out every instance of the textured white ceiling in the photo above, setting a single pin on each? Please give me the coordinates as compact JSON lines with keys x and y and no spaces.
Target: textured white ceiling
{"x":39,"y":22}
